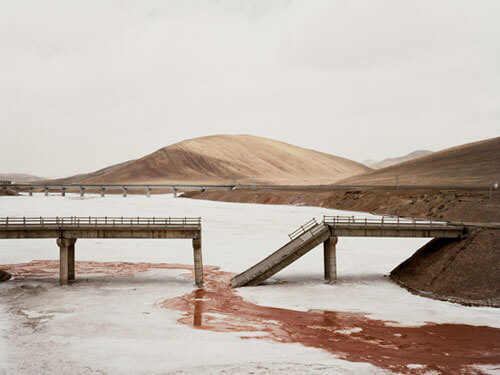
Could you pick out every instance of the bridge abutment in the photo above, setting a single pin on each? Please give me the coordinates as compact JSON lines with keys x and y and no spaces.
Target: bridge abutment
{"x":66,"y":260}
{"x":330,"y":259}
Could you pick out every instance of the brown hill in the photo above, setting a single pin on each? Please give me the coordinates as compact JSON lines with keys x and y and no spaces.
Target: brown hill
{"x":475,"y":163}
{"x":222,"y":158}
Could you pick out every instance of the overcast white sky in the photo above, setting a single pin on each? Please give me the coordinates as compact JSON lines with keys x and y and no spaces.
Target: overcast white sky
{"x":85,"y":84}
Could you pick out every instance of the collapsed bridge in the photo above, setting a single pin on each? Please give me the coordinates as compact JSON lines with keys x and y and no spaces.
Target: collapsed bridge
{"x":311,"y":234}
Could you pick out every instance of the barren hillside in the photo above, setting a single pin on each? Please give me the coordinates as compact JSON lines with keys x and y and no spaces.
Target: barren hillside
{"x":475,"y":163}
{"x":222,"y":158}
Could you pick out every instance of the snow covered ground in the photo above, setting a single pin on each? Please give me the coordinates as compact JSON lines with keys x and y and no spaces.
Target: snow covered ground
{"x":113,"y":324}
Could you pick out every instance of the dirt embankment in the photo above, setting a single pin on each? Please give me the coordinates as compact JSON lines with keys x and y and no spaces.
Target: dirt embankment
{"x":4,"y":275}
{"x":458,"y":271}
{"x":452,"y":205}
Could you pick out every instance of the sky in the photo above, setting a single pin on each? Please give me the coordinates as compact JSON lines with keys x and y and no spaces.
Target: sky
{"x":87,"y":84}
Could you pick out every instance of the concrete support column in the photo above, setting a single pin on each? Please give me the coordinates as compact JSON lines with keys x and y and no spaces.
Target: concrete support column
{"x":46,"y":190}
{"x":30,"y":191}
{"x":198,"y":263}
{"x":148,"y":192}
{"x":82,"y":191}
{"x":175,"y":192}
{"x":63,"y":191}
{"x":66,"y":260}
{"x":124,"y":192}
{"x":330,"y":258}
{"x":103,"y":191}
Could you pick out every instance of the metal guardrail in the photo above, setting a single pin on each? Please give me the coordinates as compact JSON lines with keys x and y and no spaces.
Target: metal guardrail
{"x":388,"y":222}
{"x":72,"y":222}
{"x":302,"y":229}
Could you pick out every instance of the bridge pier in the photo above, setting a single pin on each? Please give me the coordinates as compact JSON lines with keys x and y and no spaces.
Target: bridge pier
{"x":148,"y":192}
{"x":175,"y":192}
{"x":66,"y":260}
{"x":63,"y":191}
{"x":124,"y":192}
{"x":82,"y":191}
{"x":46,"y":191}
{"x":330,"y":259}
{"x":30,"y":191}
{"x":103,"y":191}
{"x":198,"y":263}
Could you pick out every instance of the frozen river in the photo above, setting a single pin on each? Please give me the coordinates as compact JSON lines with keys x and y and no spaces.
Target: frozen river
{"x":114,"y":323}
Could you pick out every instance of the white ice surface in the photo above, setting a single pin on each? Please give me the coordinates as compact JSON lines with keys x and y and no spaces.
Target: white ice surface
{"x":112,"y":324}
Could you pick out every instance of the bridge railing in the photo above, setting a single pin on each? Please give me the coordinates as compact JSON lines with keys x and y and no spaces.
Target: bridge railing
{"x":94,"y":221}
{"x":302,"y":229}
{"x":385,"y":221}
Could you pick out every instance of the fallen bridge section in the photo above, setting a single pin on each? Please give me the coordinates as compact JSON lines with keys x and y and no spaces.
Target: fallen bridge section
{"x":306,"y":238}
{"x":68,"y":229}
{"x":311,"y":234}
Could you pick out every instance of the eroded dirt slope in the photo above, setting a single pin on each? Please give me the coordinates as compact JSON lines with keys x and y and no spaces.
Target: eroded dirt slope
{"x":460,"y":271}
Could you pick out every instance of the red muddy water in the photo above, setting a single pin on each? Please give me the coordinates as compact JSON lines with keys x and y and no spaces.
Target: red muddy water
{"x":431,"y":348}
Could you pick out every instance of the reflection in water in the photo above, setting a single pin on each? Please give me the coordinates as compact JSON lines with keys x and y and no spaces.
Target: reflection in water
{"x":198,"y":307}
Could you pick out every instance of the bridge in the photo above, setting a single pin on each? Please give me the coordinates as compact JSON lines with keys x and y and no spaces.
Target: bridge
{"x":102,"y":188}
{"x":68,"y":229}
{"x":148,"y":188}
{"x":311,"y":234}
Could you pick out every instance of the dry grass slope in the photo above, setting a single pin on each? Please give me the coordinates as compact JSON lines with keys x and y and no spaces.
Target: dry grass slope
{"x":220,"y":158}
{"x":475,"y":163}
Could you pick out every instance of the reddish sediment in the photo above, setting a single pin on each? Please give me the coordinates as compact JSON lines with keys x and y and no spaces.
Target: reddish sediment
{"x":442,"y":348}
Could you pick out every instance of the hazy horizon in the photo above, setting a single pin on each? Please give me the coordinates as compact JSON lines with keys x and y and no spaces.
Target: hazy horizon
{"x":84,"y":85}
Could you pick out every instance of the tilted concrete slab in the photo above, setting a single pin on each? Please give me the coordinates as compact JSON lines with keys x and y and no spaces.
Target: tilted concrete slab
{"x":283,"y":257}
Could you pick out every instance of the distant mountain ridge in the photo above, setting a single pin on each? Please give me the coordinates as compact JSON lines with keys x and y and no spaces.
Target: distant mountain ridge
{"x":224,"y":159}
{"x":396,"y":160}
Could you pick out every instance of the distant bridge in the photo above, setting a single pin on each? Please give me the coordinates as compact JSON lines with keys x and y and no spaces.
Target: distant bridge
{"x":311,"y":234}
{"x":148,"y":188}
{"x":101,"y":188}
{"x":68,"y":229}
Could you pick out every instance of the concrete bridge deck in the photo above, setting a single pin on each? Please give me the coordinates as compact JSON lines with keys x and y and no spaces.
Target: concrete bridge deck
{"x":311,"y":234}
{"x":101,"y":188}
{"x":68,"y":229}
